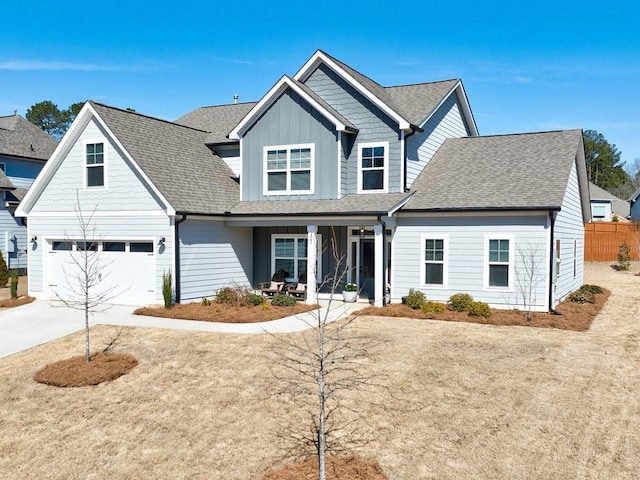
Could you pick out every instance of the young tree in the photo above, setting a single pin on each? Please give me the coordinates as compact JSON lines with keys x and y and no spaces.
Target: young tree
{"x":604,"y":167}
{"x":320,"y":370}
{"x":528,"y":276}
{"x":86,"y":275}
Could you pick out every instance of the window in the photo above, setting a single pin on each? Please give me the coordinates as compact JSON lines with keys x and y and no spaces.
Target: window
{"x":434,"y":260}
{"x":87,"y":246}
{"x":372,"y":167}
{"x":141,"y":247}
{"x":599,"y":211}
{"x":290,"y":254}
{"x":59,"y":245}
{"x":288,"y":169}
{"x":499,"y":262}
{"x":113,"y":246}
{"x":95,"y":164}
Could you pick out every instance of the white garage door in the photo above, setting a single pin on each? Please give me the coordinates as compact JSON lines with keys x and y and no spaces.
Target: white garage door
{"x":124,"y":270}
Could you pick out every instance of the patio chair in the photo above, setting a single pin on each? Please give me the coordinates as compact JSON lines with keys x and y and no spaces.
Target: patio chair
{"x":276,"y":285}
{"x":299,"y":289}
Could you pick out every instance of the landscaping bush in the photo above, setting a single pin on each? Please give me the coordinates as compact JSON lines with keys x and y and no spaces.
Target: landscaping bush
{"x":460,"y":302}
{"x":283,"y":301}
{"x":479,"y":309}
{"x":415,"y":299}
{"x":433,"y":307}
{"x":581,"y":296}
{"x":205,"y":302}
{"x":624,"y":257}
{"x":240,"y":296}
{"x":595,"y":289}
{"x":255,"y":299}
{"x":14,"y":283}
{"x":167,"y":289}
{"x":4,"y":273}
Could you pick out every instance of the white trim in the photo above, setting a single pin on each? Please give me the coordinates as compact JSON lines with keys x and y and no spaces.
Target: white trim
{"x":85,"y":165}
{"x":271,"y":96}
{"x":512,"y":250}
{"x":385,"y":175}
{"x":403,"y":161}
{"x":340,"y":166}
{"x":296,"y":236}
{"x":445,"y":263}
{"x":104,"y":213}
{"x":320,"y":56}
{"x":547,"y":259}
{"x":241,"y":167}
{"x":288,"y":170}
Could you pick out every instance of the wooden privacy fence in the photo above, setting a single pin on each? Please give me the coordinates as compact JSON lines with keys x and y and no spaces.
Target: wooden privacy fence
{"x":603,"y":239}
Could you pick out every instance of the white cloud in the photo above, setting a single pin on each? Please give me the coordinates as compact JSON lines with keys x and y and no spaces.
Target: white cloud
{"x":54,"y":65}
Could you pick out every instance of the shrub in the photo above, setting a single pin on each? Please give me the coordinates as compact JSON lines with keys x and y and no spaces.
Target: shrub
{"x":595,"y":289}
{"x":4,"y":273}
{"x":433,"y":307}
{"x":624,"y":258}
{"x":167,"y":289}
{"x":238,"y":295}
{"x":283,"y":301}
{"x":14,"y":283}
{"x":615,"y":218}
{"x":460,"y":302}
{"x":205,"y":302}
{"x":415,"y":299}
{"x":255,"y":299}
{"x":581,"y":296}
{"x":479,"y":309}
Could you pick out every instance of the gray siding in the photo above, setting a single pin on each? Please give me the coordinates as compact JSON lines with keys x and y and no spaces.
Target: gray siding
{"x":635,"y":210}
{"x":466,"y":256}
{"x":289,"y":121}
{"x":213,"y":256}
{"x":106,"y":227}
{"x":21,"y":172}
{"x":569,"y":226}
{"x":373,"y":125}
{"x":125,"y":189}
{"x":446,"y":122}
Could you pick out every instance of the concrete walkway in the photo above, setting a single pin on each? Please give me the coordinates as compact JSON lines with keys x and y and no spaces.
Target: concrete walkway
{"x":41,"y":322}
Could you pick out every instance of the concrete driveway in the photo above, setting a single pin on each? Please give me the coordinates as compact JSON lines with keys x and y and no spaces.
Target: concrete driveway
{"x":41,"y":322}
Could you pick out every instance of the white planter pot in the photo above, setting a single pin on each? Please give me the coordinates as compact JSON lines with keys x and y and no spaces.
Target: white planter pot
{"x":349,"y":297}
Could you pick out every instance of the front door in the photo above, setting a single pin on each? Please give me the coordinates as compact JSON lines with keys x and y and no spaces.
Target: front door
{"x":362,"y":266}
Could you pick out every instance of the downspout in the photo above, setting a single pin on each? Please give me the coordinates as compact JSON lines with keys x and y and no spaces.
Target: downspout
{"x":177,"y":255}
{"x":552,"y":259}
{"x":385,"y":273}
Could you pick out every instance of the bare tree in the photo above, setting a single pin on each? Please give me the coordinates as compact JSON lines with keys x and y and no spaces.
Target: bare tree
{"x":528,"y":275}
{"x":325,"y":364}
{"x":87,"y":273}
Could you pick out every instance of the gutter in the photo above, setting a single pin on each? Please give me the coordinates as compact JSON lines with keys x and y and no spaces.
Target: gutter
{"x":552,"y":258}
{"x":385,"y":273}
{"x":176,"y":249}
{"x":413,"y":132}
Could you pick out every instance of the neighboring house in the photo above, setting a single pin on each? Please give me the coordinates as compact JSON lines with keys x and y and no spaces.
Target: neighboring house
{"x":24,"y":149}
{"x":634,"y":209}
{"x":394,"y":181}
{"x":604,"y":205}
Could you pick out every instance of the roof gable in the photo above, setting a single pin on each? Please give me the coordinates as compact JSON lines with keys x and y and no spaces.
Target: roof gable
{"x":20,"y":138}
{"x":217,"y":120}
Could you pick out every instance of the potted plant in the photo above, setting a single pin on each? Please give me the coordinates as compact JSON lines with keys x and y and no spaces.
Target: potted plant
{"x":350,"y":292}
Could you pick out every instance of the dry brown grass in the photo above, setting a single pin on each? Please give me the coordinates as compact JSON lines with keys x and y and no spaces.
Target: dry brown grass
{"x":225,"y":313}
{"x":76,"y":372}
{"x":337,"y":468}
{"x":574,"y":316}
{"x":469,"y":401}
{"x":16,"y":302}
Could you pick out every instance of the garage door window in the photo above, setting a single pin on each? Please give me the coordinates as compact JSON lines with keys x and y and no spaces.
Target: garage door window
{"x":113,"y":246}
{"x":141,"y":247}
{"x":61,"y":246}
{"x":87,"y":246}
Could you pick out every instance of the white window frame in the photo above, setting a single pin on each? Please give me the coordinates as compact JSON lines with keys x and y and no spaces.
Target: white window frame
{"x":297,"y":236}
{"x":288,"y":170}
{"x":385,"y":177}
{"x":445,"y":263}
{"x":600,"y":208}
{"x":85,"y":166}
{"x":512,"y":249}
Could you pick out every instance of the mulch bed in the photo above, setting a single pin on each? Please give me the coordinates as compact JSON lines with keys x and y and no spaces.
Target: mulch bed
{"x":574,"y":316}
{"x":337,"y":468}
{"x":226,"y":313}
{"x":75,"y":372}
{"x":16,"y":302}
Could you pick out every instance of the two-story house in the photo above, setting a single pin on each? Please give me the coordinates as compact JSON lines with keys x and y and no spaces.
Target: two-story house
{"x":24,"y":149}
{"x":328,"y":170}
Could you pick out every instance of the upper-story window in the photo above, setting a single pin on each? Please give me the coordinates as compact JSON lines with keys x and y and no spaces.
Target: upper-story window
{"x":373,"y":172}
{"x":288,"y":169}
{"x":95,"y":164}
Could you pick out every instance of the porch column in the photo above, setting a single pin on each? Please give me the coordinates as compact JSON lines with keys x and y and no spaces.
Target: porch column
{"x":312,"y":258}
{"x":378,"y":291}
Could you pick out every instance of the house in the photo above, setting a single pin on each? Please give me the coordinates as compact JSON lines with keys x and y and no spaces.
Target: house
{"x":634,"y":206}
{"x":24,"y":149}
{"x":605,"y":206}
{"x":328,"y":170}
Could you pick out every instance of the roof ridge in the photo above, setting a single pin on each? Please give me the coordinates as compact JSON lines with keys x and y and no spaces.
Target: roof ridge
{"x":227,"y":104}
{"x":518,"y":134}
{"x":93,"y":102}
{"x":423,"y":83}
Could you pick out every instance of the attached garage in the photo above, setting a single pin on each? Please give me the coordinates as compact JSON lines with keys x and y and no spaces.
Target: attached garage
{"x":124,"y":269}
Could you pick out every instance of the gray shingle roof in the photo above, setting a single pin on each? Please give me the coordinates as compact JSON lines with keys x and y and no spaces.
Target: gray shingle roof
{"x":419,"y":100}
{"x":20,"y":138}
{"x":370,"y":204}
{"x":618,"y":206}
{"x":217,"y":120}
{"x":5,"y":183}
{"x":176,"y":159}
{"x":521,"y":171}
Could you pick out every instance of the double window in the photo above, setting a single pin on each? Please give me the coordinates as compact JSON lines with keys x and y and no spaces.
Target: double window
{"x":290,"y":254}
{"x":434,"y":260}
{"x":499,"y":261}
{"x":94,"y":160}
{"x":373,"y":159}
{"x":288,"y":169}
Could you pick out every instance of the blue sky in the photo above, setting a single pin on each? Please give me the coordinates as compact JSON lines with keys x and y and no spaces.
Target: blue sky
{"x":526,"y":66}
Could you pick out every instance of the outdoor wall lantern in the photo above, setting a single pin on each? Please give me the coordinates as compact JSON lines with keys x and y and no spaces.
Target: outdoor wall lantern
{"x":161,"y":242}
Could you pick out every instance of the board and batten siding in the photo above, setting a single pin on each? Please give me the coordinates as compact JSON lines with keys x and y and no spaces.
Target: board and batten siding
{"x":124,"y":189}
{"x":290,"y":121}
{"x":373,"y":125}
{"x":123,"y":228}
{"x":213,"y":256}
{"x":446,"y":122}
{"x":467,"y":257}
{"x":569,"y":226}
